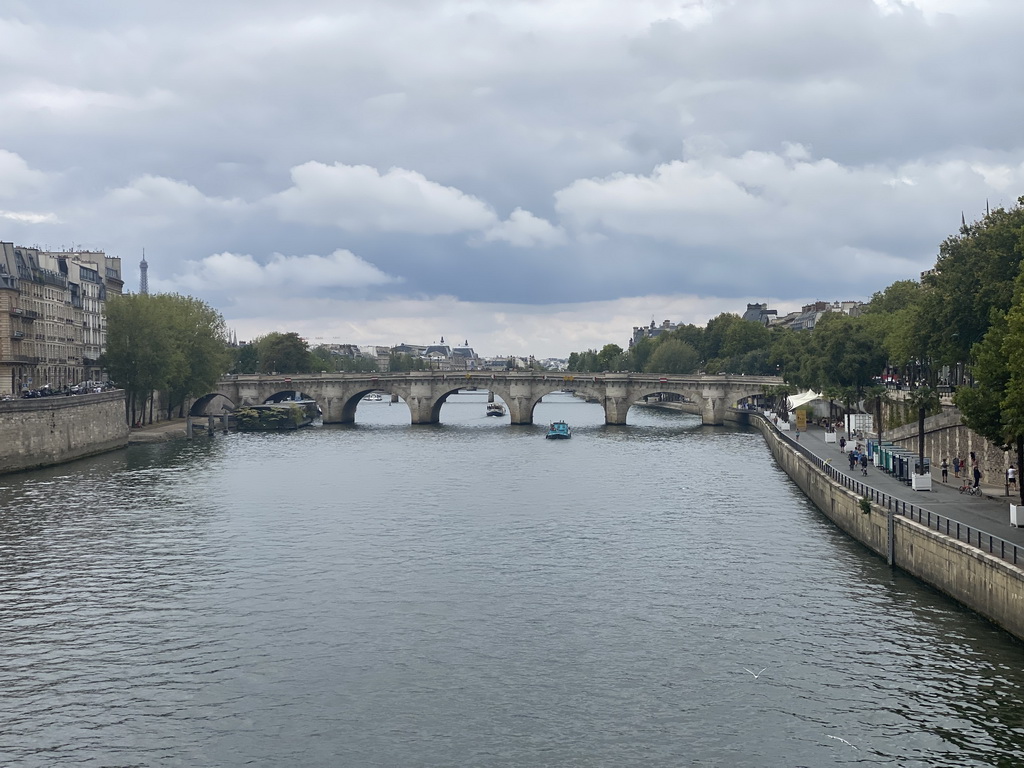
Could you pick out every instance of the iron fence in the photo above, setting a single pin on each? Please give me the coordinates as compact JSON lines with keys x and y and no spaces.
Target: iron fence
{"x":986,"y":542}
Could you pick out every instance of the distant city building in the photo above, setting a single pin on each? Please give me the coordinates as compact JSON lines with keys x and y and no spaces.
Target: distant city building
{"x":652,"y":331}
{"x":464,"y":357}
{"x":413,"y":350}
{"x":810,"y":314}
{"x":555,"y":363}
{"x":52,"y":326}
{"x":759,"y":313}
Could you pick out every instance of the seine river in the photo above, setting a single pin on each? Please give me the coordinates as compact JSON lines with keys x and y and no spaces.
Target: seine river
{"x":472,"y":594}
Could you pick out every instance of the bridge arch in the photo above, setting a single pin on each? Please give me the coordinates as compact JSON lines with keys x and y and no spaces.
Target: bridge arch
{"x":212,"y":404}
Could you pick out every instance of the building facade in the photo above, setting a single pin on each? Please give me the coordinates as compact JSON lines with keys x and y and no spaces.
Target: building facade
{"x":52,"y":326}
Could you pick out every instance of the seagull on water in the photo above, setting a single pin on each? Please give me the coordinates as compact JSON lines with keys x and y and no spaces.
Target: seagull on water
{"x":755,"y":674}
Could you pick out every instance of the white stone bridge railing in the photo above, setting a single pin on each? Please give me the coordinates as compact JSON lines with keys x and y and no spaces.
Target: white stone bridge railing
{"x":338,"y":394}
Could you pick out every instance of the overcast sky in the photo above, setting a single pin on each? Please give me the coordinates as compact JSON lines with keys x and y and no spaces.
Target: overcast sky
{"x":533,"y":176}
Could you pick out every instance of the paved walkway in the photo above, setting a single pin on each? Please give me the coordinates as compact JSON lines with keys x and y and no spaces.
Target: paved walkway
{"x":989,"y":512}
{"x":157,"y":433}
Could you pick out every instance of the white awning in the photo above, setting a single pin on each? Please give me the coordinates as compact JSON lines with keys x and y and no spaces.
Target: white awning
{"x":795,"y":401}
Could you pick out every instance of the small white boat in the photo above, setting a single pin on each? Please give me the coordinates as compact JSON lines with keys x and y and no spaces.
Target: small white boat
{"x":374,"y":397}
{"x":495,"y":409}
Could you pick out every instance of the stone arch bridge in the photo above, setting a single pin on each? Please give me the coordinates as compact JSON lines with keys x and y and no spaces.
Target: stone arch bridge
{"x":338,"y":394}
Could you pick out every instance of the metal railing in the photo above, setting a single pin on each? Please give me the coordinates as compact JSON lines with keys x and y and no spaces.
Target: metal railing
{"x":975,"y":537}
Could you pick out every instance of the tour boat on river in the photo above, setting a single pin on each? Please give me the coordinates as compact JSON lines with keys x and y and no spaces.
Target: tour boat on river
{"x":495,"y":409}
{"x":559,"y":430}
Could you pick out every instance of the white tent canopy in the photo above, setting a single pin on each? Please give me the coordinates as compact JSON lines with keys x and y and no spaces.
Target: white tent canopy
{"x":795,"y":401}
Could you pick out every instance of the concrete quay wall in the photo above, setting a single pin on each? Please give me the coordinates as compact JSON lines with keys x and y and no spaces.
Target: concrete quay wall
{"x":946,"y":436}
{"x":985,"y":584}
{"x":51,"y":430}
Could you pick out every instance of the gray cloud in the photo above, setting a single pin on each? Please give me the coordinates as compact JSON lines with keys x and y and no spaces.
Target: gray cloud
{"x":543,"y":156}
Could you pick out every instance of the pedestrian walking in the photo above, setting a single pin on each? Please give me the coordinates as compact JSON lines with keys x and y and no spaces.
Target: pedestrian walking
{"x":1011,"y":476}
{"x":956,"y":466}
{"x":977,"y":475}
{"x":842,"y":444}
{"x":863,"y":463}
{"x":945,"y":470}
{"x":853,"y":460}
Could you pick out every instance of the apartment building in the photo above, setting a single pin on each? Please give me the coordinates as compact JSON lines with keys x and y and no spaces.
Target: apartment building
{"x":52,"y":328}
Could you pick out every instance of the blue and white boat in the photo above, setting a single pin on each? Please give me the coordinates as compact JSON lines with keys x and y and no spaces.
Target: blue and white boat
{"x":559,"y":430}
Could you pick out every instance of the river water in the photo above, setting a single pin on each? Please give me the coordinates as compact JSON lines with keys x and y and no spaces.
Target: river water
{"x":471,"y":594}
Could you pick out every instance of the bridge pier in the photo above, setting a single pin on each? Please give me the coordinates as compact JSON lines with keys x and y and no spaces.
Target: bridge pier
{"x":422,"y":409}
{"x":712,"y":413}
{"x":615,"y":409}
{"x":520,"y":409}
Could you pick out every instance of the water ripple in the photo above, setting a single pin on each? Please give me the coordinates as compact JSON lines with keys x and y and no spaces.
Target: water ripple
{"x":471,"y":594}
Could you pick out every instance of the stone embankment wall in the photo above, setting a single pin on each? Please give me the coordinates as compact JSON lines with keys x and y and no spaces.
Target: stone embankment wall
{"x":945,"y":436}
{"x":51,"y":430}
{"x":979,"y":581}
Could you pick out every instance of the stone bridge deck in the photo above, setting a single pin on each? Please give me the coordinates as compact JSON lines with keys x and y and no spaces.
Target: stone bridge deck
{"x":338,"y":394}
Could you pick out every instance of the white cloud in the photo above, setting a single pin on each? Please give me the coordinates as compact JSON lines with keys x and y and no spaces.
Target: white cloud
{"x":359,"y":198}
{"x":18,"y":179}
{"x":776,"y":202}
{"x":27,"y":217}
{"x":524,"y":230}
{"x":75,"y":103}
{"x":287,"y":275}
{"x":155,"y":193}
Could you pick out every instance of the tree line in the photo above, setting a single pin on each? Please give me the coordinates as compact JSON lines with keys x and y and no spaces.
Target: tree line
{"x":178,"y":345}
{"x":961,"y":326}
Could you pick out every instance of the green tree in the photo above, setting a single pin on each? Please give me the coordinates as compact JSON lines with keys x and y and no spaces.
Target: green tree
{"x":247,"y":359}
{"x":199,"y":354}
{"x":994,"y":406}
{"x":715,"y":336}
{"x":844,"y":353}
{"x":744,"y":337}
{"x":673,"y":356}
{"x":1012,"y":402}
{"x":973,"y":279}
{"x":639,"y":353}
{"x":610,"y":358}
{"x":789,"y":353}
{"x":284,"y":352}
{"x":322,"y":359}
{"x":584,"y":362}
{"x":139,"y":349}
